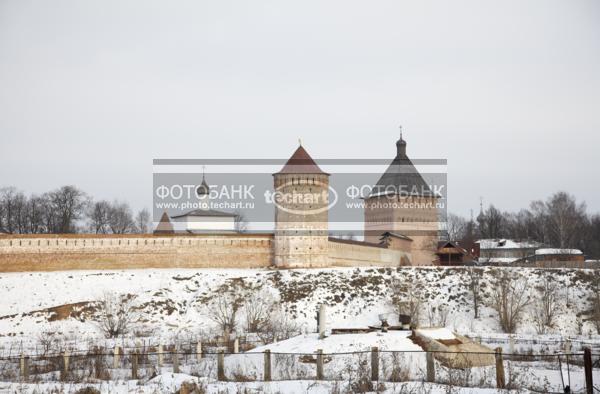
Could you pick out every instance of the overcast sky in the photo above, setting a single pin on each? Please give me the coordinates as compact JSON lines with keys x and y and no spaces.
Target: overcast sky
{"x":507,"y":91}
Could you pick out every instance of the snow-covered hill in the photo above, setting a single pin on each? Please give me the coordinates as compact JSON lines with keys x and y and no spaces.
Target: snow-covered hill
{"x":175,"y":302}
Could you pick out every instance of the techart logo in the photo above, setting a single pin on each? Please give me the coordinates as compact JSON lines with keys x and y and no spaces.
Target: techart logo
{"x":302,"y":202}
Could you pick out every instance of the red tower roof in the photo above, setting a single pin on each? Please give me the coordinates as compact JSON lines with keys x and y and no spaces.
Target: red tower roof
{"x":301,"y":163}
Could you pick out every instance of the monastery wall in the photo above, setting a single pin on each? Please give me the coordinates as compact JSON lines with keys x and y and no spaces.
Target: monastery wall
{"x":23,"y":253}
{"x":354,"y":254}
{"x":77,"y":252}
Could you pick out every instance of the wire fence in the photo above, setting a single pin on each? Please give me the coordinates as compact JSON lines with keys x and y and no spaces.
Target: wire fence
{"x":363,"y":370}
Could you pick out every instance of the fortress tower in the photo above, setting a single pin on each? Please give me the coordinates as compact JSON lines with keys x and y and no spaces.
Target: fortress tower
{"x":301,"y":213}
{"x":402,"y":203}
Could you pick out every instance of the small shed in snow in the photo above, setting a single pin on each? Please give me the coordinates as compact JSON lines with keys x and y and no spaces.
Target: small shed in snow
{"x":555,"y":258}
{"x":451,"y":253}
{"x":454,"y":351}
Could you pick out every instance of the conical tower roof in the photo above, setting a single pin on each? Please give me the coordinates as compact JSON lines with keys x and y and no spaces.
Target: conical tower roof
{"x":301,"y":163}
{"x":164,"y":226}
{"x":401,"y":177}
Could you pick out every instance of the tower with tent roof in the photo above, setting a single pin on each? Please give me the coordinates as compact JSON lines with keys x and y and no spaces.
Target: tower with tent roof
{"x":403,"y":204}
{"x":301,"y":213}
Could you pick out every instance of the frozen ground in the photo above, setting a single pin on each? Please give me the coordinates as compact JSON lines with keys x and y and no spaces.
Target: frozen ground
{"x":169,"y":383}
{"x":175,"y":303}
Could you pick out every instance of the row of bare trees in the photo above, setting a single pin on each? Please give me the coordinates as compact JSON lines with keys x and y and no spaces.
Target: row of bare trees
{"x":250,"y":309}
{"x":539,"y":299}
{"x":560,"y":221}
{"x":117,"y":218}
{"x":245,"y":309}
{"x":67,"y":210}
{"x":511,"y":295}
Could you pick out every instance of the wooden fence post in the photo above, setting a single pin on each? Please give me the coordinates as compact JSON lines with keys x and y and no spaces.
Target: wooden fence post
{"x":568,"y":346}
{"x":430,"y":359}
{"x":199,"y":351}
{"x":267,"y":366}
{"x":98,"y":367}
{"x":25,"y":367}
{"x":134,"y":364}
{"x":587,"y":366}
{"x":175,"y":356}
{"x":374,"y":364}
{"x":500,"y":383}
{"x":65,"y":366}
{"x":160,"y":356}
{"x":236,"y":345}
{"x":319,"y":364}
{"x":511,"y":345}
{"x":220,"y":366}
{"x":116,"y":358}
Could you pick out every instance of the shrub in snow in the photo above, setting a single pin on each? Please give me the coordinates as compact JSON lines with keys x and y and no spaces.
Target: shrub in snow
{"x":117,"y":314}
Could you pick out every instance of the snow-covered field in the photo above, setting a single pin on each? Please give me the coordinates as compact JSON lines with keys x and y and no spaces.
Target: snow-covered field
{"x":170,"y":383}
{"x":174,"y":301}
{"x":174,"y":307}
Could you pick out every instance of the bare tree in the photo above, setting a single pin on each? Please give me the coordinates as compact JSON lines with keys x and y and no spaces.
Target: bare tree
{"x":559,"y":221}
{"x":438,"y":315}
{"x":407,"y":299}
{"x":456,"y":227}
{"x":594,"y":300}
{"x":223,"y":310}
{"x":592,"y":237}
{"x":546,"y":304}
{"x":120,"y":219}
{"x":475,"y":275}
{"x":279,"y":326}
{"x":142,"y":221}
{"x":65,"y":206}
{"x":565,"y":218}
{"x":523,"y":225}
{"x":258,"y":306}
{"x":35,"y":215}
{"x":492,"y":223}
{"x":509,"y":299}
{"x":8,"y":202}
{"x":117,"y":314}
{"x":98,"y":215}
{"x":20,"y":213}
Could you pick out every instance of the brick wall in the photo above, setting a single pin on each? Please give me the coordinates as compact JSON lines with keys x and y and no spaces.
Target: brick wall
{"x":98,"y":252}
{"x":353,"y":254}
{"x":53,"y":253}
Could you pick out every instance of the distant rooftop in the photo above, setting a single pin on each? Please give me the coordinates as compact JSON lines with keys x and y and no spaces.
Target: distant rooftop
{"x":401,"y":177}
{"x":547,"y":251}
{"x":205,"y":212}
{"x":499,"y":243}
